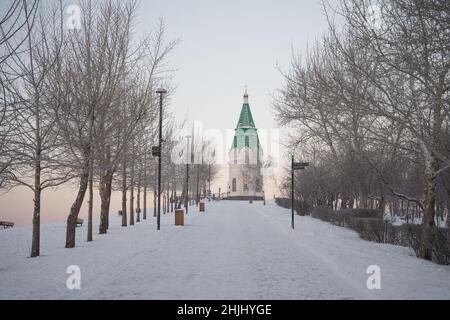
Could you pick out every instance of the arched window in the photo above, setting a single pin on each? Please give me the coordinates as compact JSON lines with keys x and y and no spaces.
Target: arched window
{"x":233,"y":185}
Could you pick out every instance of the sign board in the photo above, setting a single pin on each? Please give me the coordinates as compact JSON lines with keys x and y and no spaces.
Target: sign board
{"x":299,"y":165}
{"x":156,"y":151}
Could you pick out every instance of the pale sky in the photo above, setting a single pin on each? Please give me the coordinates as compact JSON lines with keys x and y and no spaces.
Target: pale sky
{"x":225,"y":45}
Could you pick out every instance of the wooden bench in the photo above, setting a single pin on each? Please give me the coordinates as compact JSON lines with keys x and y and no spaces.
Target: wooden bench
{"x":6,"y":224}
{"x":80,"y":222}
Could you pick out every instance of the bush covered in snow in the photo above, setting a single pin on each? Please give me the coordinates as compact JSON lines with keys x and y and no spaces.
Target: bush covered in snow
{"x":374,"y":229}
{"x":438,"y":239}
{"x":344,"y":217}
{"x":323,"y":213}
{"x":371,"y":226}
{"x":301,"y":207}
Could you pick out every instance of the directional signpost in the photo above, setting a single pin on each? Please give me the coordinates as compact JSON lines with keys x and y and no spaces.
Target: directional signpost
{"x":156,"y":151}
{"x":294,"y":167}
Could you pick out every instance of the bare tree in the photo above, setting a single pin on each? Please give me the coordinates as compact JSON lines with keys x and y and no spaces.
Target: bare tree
{"x":15,"y":26}
{"x":416,"y":55}
{"x":370,"y":101}
{"x":36,"y":141}
{"x":97,"y":75}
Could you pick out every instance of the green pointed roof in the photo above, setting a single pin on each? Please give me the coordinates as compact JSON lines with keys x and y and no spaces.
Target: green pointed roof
{"x":246,"y":134}
{"x":246,"y":118}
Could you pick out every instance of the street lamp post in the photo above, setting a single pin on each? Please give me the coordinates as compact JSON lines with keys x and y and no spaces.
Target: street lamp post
{"x":292,"y":192}
{"x":161,"y":92}
{"x":197,"y":191}
{"x":188,"y":158}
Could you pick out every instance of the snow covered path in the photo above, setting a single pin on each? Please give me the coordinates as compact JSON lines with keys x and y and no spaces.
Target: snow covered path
{"x":233,"y":251}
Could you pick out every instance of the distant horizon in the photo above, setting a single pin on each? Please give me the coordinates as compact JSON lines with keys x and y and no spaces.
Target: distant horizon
{"x":58,"y":209}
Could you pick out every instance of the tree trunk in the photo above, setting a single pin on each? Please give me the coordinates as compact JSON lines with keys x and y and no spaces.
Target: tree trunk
{"x":197,"y":192}
{"x":36,"y":238}
{"x":182,"y":199}
{"x":175,"y":196}
{"x":344,"y":202}
{"x":132,"y":194}
{"x":105,"y":197}
{"x":91,"y":175}
{"x":431,"y":167}
{"x":168,"y":197}
{"x":124,"y":195}
{"x":138,"y":200}
{"x":407,"y":212}
{"x":91,"y":199}
{"x":76,"y":206}
{"x":105,"y":190}
{"x":448,"y":219}
{"x":448,"y":209}
{"x":144,"y":214}
{"x":171,"y":201}
{"x":164,"y":204}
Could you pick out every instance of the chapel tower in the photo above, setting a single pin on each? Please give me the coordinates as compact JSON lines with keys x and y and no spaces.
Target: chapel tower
{"x":245,"y":178}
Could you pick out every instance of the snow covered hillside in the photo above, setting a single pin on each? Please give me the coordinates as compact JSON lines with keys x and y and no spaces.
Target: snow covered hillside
{"x":233,"y":251}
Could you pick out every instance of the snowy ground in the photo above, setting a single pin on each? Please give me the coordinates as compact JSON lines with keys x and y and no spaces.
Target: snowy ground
{"x":233,"y":251}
